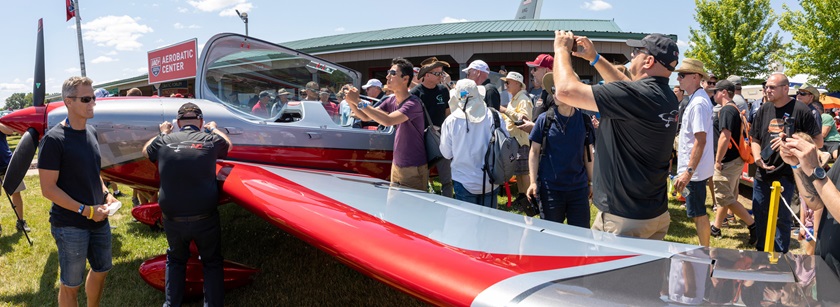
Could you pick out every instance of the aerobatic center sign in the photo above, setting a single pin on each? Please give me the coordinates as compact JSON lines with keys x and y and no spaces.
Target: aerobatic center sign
{"x":175,"y":62}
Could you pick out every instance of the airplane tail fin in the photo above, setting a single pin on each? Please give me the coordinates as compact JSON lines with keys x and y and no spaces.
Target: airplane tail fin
{"x":39,"y":86}
{"x":528,"y":9}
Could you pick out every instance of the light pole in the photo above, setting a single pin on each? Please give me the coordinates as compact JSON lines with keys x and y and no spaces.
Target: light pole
{"x":244,"y":17}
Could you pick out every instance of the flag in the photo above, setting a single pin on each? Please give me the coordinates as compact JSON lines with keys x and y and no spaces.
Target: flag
{"x":71,"y":10}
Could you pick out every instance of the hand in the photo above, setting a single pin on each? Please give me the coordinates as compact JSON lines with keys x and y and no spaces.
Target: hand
{"x":100,"y":213}
{"x":788,"y":155}
{"x":588,"y":53}
{"x":210,"y":126}
{"x":760,"y":163}
{"x":527,"y":126}
{"x":682,"y":181}
{"x":805,"y":152}
{"x":719,"y":166}
{"x":595,"y":122}
{"x":352,"y":96}
{"x":109,"y":199}
{"x":590,"y":191}
{"x":165,"y":127}
{"x":564,"y":41}
{"x":531,"y":193}
{"x":777,"y":142}
{"x":801,"y":233}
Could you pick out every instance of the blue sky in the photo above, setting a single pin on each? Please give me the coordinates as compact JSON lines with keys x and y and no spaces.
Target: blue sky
{"x":118,"y":34}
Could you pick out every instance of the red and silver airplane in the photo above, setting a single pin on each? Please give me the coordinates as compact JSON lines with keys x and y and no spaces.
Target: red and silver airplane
{"x":325,"y":183}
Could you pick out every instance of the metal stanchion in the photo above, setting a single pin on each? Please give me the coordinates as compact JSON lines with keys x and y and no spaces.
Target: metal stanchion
{"x":772,"y":217}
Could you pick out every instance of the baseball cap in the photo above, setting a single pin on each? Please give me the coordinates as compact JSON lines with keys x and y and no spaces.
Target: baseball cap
{"x":478,"y":65}
{"x":725,"y":85}
{"x":189,"y":110}
{"x":542,"y":60}
{"x":737,"y":80}
{"x":661,"y":47}
{"x":265,"y":94}
{"x":372,"y":82}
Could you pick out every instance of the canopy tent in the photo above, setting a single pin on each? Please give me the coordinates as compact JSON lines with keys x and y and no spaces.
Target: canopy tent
{"x":829,"y":102}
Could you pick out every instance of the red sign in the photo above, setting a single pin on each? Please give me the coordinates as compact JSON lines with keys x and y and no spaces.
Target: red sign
{"x":174,"y":62}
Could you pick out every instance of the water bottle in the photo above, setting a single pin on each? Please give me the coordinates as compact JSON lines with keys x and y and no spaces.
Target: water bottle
{"x":685,"y":192}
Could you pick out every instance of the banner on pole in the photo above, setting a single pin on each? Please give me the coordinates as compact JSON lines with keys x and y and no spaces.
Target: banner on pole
{"x":175,"y":62}
{"x":71,"y":10}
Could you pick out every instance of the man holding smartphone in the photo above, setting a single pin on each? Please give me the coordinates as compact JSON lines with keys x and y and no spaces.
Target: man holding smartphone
{"x":771,"y":120}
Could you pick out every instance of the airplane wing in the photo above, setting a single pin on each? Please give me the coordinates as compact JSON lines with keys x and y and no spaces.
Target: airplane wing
{"x":453,"y":253}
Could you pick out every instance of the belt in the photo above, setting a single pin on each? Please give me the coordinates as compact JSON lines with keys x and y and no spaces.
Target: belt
{"x":183,"y":219}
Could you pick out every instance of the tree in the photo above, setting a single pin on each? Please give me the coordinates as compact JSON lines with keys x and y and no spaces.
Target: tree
{"x":18,"y":101}
{"x":814,"y":49}
{"x":734,"y":37}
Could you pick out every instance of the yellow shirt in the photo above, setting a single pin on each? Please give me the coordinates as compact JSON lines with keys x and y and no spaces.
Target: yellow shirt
{"x":520,"y":107}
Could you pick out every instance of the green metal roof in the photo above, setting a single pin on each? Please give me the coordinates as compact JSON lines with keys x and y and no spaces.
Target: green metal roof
{"x":463,"y":31}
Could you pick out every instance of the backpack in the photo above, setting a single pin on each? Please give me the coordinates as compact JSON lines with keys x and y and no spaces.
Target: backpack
{"x":743,"y":142}
{"x":501,"y":154}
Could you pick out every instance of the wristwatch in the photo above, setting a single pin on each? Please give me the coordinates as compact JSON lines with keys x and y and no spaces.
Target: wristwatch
{"x":818,"y":174}
{"x":690,"y":170}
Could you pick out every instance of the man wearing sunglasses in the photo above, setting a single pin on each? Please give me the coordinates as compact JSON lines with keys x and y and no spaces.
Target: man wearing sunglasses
{"x":406,"y":112}
{"x":479,"y":72}
{"x":778,"y":114}
{"x":636,"y":131}
{"x":68,"y":165}
{"x":435,"y":100}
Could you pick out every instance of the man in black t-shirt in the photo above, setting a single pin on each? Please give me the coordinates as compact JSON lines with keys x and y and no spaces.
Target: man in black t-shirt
{"x":435,"y":98}
{"x":636,"y":132}
{"x":69,"y":165}
{"x":479,"y":72}
{"x":728,"y":162}
{"x":771,"y":120}
{"x":189,"y":196}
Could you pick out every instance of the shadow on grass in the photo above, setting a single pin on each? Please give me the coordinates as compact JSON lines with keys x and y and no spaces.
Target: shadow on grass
{"x":47,"y":294}
{"x":7,"y":242}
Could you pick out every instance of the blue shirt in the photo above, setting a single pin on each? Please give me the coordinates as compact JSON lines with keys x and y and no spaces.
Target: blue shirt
{"x":562,"y":167}
{"x":5,"y":152}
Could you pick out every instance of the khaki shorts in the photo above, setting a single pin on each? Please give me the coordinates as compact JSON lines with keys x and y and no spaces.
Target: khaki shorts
{"x":415,"y":177}
{"x":726,"y":182}
{"x":655,"y":228}
{"x":20,"y":187}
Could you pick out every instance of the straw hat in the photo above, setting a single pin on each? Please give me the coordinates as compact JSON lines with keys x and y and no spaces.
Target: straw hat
{"x":693,"y":66}
{"x":514,"y":76}
{"x":548,"y":82}
{"x":429,"y":64}
{"x":476,"y":109}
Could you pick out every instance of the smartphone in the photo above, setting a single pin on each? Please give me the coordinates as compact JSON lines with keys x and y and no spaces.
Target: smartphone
{"x":519,"y":122}
{"x":789,"y":122}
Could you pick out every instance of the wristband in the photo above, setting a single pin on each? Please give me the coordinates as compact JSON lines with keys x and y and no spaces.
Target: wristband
{"x":794,"y":166}
{"x":91,"y":213}
{"x":81,"y":209}
{"x":597,"y":57}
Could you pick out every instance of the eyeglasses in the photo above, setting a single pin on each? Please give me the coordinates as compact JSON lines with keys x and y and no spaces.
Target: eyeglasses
{"x":803,"y":93}
{"x":84,"y":99}
{"x":637,"y":51}
{"x":392,"y":72}
{"x":437,"y":73}
{"x":685,"y":74}
{"x":772,"y":87}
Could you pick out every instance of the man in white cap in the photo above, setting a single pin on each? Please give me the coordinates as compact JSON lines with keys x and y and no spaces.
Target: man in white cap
{"x":695,"y":162}
{"x":636,"y":131}
{"x":464,"y":139}
{"x":479,"y":71}
{"x":373,"y":89}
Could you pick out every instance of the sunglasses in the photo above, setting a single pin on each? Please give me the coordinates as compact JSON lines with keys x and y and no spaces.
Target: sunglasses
{"x":438,"y":73}
{"x":685,"y":74}
{"x":803,"y":93}
{"x":772,"y":87}
{"x":392,"y":72}
{"x":637,"y":51}
{"x":84,"y":99}
{"x":711,"y":83}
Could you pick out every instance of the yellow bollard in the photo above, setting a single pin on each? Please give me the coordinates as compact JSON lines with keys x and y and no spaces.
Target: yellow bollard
{"x":772,"y":218}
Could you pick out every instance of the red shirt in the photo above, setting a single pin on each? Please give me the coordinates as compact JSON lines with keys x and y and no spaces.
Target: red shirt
{"x":260,"y":110}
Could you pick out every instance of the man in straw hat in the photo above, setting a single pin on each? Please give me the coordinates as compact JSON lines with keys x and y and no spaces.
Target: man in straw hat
{"x":695,"y":161}
{"x":778,"y":114}
{"x":636,"y":131}
{"x":405,"y":111}
{"x":464,"y":139}
{"x":435,"y":99}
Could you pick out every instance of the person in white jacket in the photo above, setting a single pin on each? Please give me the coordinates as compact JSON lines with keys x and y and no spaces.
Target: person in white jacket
{"x":464,"y":137}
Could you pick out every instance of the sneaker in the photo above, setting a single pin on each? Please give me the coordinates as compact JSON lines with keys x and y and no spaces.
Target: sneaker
{"x":715,"y":231}
{"x":21,"y":226}
{"x":118,"y":193}
{"x":731,"y":219}
{"x":753,"y":238}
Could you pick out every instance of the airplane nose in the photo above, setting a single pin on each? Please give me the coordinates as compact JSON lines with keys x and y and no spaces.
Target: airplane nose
{"x":31,"y":117}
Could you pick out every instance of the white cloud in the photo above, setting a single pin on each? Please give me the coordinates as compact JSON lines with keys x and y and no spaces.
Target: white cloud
{"x":73,"y":70}
{"x":155,"y":5}
{"x":194,"y":27}
{"x":178,"y":25}
{"x":111,"y":53}
{"x":596,"y":5}
{"x":17,"y":80}
{"x":120,"y":32}
{"x":13,"y":87}
{"x":682,"y":45}
{"x":182,"y":10}
{"x":103,"y":59}
{"x":200,"y":48}
{"x":339,"y":29}
{"x":448,"y":19}
{"x":242,"y":8}
{"x":142,"y":70}
{"x":224,"y":7}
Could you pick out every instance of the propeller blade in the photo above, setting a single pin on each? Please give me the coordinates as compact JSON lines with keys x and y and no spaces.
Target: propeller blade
{"x":39,"y":92}
{"x":21,"y":159}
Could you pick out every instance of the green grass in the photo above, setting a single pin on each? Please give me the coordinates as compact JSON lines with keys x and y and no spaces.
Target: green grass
{"x":291,"y":271}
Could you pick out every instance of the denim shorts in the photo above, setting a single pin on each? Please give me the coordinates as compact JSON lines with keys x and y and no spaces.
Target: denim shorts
{"x":695,"y":202}
{"x":75,"y":245}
